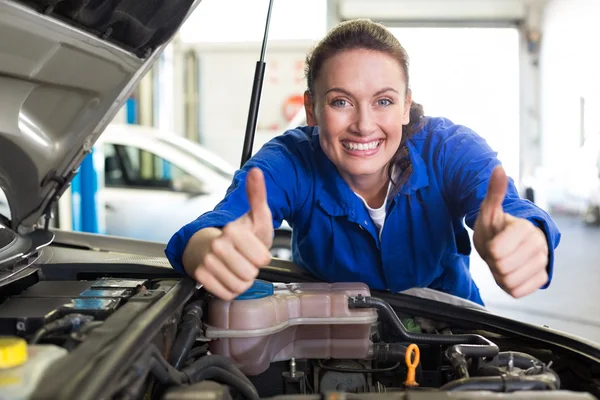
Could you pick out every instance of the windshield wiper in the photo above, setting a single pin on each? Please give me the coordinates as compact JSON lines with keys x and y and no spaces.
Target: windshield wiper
{"x":259,"y":74}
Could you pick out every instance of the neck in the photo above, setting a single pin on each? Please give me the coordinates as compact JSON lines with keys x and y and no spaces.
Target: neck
{"x":372,"y":188}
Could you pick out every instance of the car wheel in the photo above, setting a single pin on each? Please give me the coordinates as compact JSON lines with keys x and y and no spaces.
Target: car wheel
{"x":282,"y":247}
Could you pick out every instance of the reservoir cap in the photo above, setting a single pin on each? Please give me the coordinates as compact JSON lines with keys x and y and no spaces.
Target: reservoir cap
{"x":258,"y":290}
{"x":13,"y":352}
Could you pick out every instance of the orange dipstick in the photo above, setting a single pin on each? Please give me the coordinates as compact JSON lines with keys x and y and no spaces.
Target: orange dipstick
{"x":412,"y":364}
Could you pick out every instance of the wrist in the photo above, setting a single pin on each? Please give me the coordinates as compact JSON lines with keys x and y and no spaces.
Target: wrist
{"x":197,"y":248}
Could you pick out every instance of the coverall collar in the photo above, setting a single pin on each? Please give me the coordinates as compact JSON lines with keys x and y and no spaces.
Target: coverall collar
{"x":337,"y":198}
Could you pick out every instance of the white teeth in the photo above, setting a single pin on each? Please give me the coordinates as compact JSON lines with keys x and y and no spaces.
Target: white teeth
{"x":361,"y":146}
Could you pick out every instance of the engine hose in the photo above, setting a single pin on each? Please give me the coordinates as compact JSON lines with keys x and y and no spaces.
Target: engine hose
{"x":544,"y":381}
{"x":198,"y":351}
{"x":424,"y":338}
{"x":388,"y":351}
{"x":191,"y":325}
{"x":195,"y":370}
{"x":164,"y":375}
{"x":517,"y":359}
{"x":462,"y":346}
{"x":218,"y":374}
{"x":458,"y":354}
{"x":212,"y":367}
{"x":393,"y":352}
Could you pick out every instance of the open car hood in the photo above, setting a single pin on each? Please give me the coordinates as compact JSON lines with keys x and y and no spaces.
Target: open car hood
{"x":66,"y":68}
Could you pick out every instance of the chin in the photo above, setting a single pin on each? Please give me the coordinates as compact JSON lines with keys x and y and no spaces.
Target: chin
{"x":364,"y":168}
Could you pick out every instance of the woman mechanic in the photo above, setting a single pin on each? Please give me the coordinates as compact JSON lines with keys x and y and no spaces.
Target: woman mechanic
{"x":375,"y":191}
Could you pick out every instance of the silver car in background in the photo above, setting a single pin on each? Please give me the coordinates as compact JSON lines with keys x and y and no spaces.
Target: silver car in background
{"x":154,"y":206}
{"x":156,"y":182}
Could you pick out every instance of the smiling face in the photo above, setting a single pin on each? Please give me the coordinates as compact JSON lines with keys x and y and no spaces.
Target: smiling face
{"x":360,"y":103}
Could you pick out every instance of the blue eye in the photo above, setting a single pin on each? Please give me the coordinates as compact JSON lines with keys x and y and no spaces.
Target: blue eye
{"x":384,"y":102}
{"x":339,"y":103}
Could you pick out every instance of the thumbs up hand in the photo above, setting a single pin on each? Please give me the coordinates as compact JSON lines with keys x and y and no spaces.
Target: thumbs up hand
{"x":259,"y":219}
{"x":233,"y":259}
{"x":514,"y":248}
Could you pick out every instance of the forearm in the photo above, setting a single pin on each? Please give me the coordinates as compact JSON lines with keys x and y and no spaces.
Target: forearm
{"x":197,"y":248}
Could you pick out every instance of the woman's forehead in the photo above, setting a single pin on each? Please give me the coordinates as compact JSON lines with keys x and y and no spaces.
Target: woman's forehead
{"x":361,"y":70}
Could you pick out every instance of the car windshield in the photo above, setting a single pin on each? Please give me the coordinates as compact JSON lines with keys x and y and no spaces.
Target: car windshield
{"x":202,"y":155}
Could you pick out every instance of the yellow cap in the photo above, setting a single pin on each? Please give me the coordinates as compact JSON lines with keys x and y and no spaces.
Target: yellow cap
{"x":13,"y":352}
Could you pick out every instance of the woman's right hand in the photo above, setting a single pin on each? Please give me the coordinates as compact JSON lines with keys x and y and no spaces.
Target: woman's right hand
{"x":232,"y":259}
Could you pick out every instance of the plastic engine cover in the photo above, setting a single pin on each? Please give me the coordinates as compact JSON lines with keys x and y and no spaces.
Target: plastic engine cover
{"x":275,"y":322}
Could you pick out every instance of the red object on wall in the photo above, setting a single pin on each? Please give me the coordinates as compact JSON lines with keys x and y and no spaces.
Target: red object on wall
{"x":291,"y":106}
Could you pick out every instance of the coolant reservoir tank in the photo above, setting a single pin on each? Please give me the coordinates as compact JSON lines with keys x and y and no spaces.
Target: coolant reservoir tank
{"x":22,"y":366}
{"x":275,"y":322}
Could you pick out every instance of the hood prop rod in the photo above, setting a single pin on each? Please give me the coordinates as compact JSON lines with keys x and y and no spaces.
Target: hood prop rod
{"x":259,"y":74}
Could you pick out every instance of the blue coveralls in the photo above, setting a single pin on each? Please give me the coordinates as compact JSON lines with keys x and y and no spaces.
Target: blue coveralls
{"x":424,"y":242}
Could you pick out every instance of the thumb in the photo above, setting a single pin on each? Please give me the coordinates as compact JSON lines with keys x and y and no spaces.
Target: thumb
{"x":491,"y":212}
{"x":256,"y":190}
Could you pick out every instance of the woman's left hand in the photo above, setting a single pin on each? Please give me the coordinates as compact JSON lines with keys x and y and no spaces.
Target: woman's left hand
{"x":514,"y":248}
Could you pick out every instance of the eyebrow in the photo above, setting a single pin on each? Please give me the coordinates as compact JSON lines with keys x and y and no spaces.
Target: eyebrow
{"x":337,"y":89}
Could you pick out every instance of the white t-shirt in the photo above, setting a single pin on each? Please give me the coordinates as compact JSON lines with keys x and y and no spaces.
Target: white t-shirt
{"x":377,"y":214}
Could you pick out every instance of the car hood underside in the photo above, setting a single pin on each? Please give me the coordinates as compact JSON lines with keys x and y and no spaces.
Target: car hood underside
{"x":66,"y":68}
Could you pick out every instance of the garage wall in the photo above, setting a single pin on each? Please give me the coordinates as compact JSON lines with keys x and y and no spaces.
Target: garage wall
{"x":226,"y":77}
{"x":244,"y":20}
{"x":226,"y":35}
{"x":570,"y":70}
{"x":456,"y":74}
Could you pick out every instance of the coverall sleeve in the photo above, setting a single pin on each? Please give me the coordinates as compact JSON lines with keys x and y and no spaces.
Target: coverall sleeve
{"x":468,"y":162}
{"x":284,"y":183}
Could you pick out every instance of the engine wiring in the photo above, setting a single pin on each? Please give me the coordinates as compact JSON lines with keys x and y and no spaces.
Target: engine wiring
{"x":68,"y":323}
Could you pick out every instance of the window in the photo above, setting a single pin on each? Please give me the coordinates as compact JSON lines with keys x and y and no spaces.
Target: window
{"x":113,"y":172}
{"x":471,"y":76}
{"x":128,"y":166}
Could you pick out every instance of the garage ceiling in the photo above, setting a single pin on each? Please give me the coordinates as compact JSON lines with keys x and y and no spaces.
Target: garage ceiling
{"x":437,"y":11}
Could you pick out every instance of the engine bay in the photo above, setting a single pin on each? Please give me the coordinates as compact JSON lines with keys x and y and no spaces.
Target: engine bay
{"x":303,"y":340}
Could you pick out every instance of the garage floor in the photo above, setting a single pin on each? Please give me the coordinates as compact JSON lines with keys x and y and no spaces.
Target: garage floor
{"x":572,"y":302}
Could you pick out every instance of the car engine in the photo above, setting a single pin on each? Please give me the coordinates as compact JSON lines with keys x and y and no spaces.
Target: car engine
{"x":318,"y":338}
{"x":291,"y":340}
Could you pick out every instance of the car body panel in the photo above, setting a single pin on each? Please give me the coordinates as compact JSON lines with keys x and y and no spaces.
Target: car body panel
{"x":156,"y":213}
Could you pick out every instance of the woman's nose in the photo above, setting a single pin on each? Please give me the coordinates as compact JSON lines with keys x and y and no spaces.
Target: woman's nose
{"x":365,"y":121}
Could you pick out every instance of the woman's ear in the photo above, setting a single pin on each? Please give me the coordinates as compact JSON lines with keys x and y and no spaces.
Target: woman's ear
{"x":309,"y":108}
{"x":407,"y":106}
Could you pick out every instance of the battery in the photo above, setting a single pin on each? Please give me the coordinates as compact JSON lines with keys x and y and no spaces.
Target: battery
{"x":23,"y":316}
{"x":67,"y":289}
{"x":103,"y":293}
{"x":119,"y":283}
{"x":100,"y":309}
{"x":73,"y":289}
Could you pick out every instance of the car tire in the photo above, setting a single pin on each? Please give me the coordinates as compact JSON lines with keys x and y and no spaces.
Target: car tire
{"x":282,"y":246}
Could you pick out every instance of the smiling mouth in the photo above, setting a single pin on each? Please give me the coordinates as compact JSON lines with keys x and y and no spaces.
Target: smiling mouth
{"x":354,"y":146}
